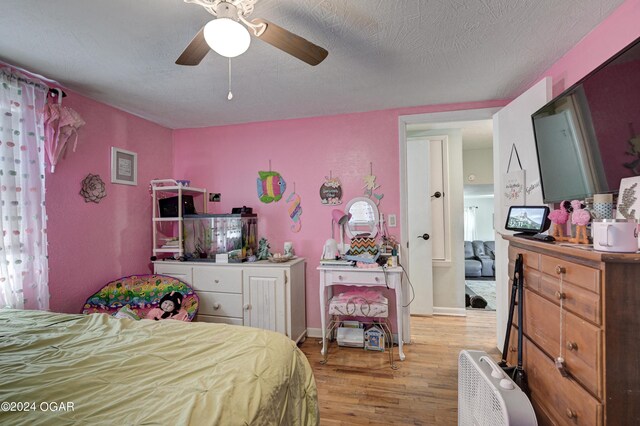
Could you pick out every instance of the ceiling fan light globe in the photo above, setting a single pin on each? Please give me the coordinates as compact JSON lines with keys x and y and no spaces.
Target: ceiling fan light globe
{"x":227,"y":37}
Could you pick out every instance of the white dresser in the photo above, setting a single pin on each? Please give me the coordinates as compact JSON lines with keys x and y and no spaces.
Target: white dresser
{"x":258,"y":294}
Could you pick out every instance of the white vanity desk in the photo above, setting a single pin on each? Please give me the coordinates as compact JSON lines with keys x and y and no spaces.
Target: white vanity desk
{"x":363,"y":277}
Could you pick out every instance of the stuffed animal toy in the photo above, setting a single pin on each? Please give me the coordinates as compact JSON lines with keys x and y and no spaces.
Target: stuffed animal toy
{"x":581,"y":218}
{"x":170,"y":308}
{"x":559,"y":218}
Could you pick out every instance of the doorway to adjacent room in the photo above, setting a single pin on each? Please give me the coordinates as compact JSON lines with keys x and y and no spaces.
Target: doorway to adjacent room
{"x":443,"y":290}
{"x":479,"y":238}
{"x":479,"y":232}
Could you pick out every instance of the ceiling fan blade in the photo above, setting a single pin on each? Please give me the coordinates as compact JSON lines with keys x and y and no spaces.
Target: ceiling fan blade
{"x":195,"y":51}
{"x":293,"y":44}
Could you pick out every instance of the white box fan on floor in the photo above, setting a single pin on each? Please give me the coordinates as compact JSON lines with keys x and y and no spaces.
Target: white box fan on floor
{"x":487,"y":396}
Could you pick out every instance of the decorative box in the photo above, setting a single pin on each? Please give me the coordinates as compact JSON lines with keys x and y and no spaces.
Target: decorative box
{"x":352,"y":337}
{"x":374,"y":339}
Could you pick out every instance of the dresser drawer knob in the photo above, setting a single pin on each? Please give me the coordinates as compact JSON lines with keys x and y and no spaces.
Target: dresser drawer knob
{"x":216,"y":281}
{"x":340,"y":277}
{"x":561,"y":270}
{"x":247,"y":307}
{"x":571,"y":414}
{"x":216,"y":306}
{"x":572,"y":346}
{"x":376,"y":279}
{"x":560,"y":295}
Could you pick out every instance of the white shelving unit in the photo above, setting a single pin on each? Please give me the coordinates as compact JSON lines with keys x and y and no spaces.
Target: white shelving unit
{"x":162,"y":188}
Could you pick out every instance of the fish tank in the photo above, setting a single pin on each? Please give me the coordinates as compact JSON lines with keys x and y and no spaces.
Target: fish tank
{"x":206,"y":235}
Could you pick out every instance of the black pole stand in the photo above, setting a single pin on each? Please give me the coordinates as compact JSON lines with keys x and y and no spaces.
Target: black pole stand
{"x":516,"y":373}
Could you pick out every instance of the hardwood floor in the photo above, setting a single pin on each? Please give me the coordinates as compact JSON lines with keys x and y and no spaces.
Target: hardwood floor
{"x":358,"y":387}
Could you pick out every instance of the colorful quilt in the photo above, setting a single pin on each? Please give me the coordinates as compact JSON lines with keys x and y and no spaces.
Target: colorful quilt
{"x":141,"y":293}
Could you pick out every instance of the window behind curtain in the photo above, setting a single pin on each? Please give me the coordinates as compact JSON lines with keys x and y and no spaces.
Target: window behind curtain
{"x":470,"y":229}
{"x":23,"y":242}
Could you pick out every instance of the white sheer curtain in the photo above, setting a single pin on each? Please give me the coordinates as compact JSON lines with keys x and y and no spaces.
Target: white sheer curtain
{"x":470,"y":231}
{"x":23,"y":238}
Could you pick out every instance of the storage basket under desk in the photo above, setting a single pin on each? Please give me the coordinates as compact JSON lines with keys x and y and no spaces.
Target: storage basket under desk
{"x":368,"y":304}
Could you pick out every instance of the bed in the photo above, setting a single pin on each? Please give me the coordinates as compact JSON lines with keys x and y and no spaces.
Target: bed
{"x":96,"y":369}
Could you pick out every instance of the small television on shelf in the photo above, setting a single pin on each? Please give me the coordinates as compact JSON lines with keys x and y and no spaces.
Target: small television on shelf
{"x":168,"y":207}
{"x":528,"y":220}
{"x":588,"y":138}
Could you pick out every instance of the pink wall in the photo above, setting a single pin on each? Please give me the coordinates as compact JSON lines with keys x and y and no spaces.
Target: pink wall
{"x":609,"y":37}
{"x":227,"y":159}
{"x":91,"y":244}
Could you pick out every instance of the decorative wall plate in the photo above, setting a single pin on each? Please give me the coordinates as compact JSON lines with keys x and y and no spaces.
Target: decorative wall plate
{"x":331,"y":191}
{"x":93,"y":189}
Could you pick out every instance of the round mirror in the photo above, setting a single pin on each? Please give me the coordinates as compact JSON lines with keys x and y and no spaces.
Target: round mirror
{"x":364,"y":217}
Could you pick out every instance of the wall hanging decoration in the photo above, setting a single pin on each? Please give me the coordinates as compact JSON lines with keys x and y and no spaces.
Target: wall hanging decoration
{"x":124,"y":166}
{"x":370,"y":186}
{"x":93,"y":189}
{"x":271,"y":186}
{"x":60,"y":124}
{"x":295,"y":210}
{"x":331,"y":191}
{"x":514,"y":182}
{"x":531,"y":187}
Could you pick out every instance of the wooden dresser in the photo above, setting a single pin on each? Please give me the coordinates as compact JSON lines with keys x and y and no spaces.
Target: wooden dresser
{"x":600,"y":334}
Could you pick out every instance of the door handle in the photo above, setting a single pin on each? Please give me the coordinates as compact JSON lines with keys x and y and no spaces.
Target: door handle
{"x":437,"y":194}
{"x":424,"y":236}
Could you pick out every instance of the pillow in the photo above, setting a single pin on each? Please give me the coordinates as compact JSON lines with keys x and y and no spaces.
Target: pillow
{"x":126,"y":312}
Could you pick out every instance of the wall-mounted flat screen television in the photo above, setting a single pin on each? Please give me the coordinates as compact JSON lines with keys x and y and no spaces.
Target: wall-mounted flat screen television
{"x":588,"y":138}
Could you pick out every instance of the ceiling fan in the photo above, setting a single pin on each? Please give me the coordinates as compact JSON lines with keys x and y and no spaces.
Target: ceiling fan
{"x":229,"y":38}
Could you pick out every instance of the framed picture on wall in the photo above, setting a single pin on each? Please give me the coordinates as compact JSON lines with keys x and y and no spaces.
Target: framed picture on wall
{"x":124,"y":166}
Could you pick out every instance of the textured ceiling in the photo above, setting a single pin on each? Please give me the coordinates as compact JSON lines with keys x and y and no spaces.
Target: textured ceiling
{"x":382,"y":54}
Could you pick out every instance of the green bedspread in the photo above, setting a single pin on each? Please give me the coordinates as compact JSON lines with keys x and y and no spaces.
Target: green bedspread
{"x":60,"y":369}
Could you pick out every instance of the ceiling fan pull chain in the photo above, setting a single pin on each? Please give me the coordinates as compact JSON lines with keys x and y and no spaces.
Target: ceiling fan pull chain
{"x":230,"y":95}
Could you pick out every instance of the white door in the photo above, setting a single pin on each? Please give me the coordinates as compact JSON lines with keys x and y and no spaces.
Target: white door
{"x":419,"y":225}
{"x":512,"y":127}
{"x":438,"y":183}
{"x":264,"y":299}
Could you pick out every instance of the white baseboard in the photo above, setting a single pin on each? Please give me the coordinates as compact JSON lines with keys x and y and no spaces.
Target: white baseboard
{"x":314,"y":332}
{"x":454,"y":312}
